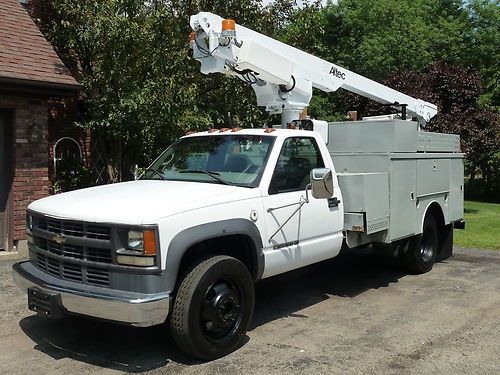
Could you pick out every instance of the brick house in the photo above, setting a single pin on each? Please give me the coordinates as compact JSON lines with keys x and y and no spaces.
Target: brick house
{"x":32,"y":79}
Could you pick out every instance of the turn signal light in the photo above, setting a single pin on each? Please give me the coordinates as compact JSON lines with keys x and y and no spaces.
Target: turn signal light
{"x":192,"y":36}
{"x":149,"y":242}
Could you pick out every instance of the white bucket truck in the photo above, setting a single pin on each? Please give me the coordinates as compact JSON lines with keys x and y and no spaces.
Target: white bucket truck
{"x":222,"y":209}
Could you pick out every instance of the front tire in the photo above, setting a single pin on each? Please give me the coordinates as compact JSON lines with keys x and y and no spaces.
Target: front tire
{"x":422,"y":249}
{"x":213,"y":308}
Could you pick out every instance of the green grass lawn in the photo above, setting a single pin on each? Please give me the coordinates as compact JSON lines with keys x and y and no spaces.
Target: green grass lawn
{"x":482,"y":226}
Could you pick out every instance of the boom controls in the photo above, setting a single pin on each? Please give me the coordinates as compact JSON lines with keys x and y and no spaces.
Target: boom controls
{"x":305,"y":124}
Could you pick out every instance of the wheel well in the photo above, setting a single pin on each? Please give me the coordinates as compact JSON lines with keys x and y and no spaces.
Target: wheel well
{"x":239,"y":246}
{"x":436,"y":212}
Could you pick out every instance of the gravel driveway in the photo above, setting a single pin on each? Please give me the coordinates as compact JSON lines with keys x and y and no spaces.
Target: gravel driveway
{"x":356,"y":314}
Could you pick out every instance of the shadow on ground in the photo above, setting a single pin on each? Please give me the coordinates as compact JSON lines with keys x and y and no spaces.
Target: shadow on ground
{"x":143,"y":349}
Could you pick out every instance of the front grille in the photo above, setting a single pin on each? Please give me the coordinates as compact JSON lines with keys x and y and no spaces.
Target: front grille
{"x":98,"y":255}
{"x":97,"y":276}
{"x":72,"y":271}
{"x":98,"y":232}
{"x":74,"y":251}
{"x":73,"y":228}
{"x":71,"y":251}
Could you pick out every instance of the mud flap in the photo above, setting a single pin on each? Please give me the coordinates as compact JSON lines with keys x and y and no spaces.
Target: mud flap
{"x":445,"y":243}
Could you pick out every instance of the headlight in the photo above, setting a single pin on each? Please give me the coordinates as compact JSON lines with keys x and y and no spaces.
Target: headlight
{"x":143,"y":241}
{"x":141,"y":249}
{"x":135,"y":240}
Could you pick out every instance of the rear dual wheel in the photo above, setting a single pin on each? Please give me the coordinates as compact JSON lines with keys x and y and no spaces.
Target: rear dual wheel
{"x":422,"y":249}
{"x":213,"y":308}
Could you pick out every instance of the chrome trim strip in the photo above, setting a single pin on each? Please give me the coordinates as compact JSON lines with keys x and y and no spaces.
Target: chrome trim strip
{"x":140,"y":310}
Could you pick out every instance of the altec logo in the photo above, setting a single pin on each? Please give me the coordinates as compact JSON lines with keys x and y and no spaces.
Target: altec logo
{"x":336,"y":73}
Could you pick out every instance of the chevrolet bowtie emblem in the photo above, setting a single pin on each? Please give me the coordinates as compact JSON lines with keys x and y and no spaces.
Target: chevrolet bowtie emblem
{"x":59,"y":238}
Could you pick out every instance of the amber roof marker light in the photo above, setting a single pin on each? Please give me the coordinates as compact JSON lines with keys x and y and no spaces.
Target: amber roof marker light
{"x":228,"y":28}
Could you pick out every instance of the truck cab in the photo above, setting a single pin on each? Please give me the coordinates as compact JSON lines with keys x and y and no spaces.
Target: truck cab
{"x":119,"y":252}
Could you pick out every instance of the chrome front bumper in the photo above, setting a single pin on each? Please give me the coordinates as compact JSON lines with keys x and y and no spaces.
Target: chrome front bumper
{"x":140,"y":310}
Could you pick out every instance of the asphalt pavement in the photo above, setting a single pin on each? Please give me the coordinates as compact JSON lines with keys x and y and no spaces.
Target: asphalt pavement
{"x":356,"y":314}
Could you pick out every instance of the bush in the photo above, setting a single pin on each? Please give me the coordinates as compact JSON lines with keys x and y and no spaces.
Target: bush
{"x":71,"y":174}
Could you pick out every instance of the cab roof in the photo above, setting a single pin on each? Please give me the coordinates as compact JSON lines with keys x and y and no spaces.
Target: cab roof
{"x":273,"y":132}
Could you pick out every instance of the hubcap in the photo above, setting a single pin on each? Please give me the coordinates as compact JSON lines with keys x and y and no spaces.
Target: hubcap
{"x":221,"y":310}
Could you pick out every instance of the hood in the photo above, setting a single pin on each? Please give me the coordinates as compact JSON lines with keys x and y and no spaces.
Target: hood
{"x":138,"y":202}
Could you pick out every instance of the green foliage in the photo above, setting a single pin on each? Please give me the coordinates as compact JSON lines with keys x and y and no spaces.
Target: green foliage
{"x":71,"y":174}
{"x":134,"y":82}
{"x":484,"y":54}
{"x":142,"y":90}
{"x":377,"y":37}
{"x":482,"y":221}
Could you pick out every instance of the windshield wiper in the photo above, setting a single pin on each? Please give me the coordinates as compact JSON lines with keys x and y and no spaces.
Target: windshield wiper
{"x":214,"y":175}
{"x":157,"y":172}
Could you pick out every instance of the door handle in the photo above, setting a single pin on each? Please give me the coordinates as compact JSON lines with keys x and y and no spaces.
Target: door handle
{"x":333,"y":202}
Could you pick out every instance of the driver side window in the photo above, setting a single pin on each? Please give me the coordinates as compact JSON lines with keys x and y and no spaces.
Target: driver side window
{"x":298,"y":156}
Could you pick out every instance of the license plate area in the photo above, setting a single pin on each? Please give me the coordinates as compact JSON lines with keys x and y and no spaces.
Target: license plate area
{"x":44,"y":303}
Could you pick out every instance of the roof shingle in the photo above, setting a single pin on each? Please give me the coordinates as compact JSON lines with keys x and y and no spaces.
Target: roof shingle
{"x":24,"y":53}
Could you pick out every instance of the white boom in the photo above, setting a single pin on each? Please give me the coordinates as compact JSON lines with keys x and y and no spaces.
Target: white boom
{"x":283,"y":76}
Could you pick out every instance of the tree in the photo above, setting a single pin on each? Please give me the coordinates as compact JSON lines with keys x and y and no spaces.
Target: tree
{"x":124,"y":54}
{"x":142,"y":90}
{"x":484,"y":53}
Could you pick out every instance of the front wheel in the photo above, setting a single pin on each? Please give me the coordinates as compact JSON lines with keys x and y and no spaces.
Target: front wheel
{"x":213,"y":308}
{"x":422,"y":249}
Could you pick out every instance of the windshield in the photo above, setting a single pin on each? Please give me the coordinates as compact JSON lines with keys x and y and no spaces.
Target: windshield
{"x":222,"y":159}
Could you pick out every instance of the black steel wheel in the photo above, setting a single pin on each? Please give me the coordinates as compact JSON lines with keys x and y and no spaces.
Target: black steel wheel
{"x":422,"y":249}
{"x":213,"y":308}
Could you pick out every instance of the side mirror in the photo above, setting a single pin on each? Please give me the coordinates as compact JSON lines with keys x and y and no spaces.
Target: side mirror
{"x":321,"y":183}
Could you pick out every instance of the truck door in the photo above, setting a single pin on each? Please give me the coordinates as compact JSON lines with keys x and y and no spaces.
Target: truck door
{"x":314,"y":232}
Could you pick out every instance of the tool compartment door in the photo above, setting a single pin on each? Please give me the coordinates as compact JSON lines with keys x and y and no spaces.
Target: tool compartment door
{"x":456,"y":199}
{"x":403,"y":191}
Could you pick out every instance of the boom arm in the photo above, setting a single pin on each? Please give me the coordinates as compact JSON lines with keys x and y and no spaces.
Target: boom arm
{"x":283,"y":76}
